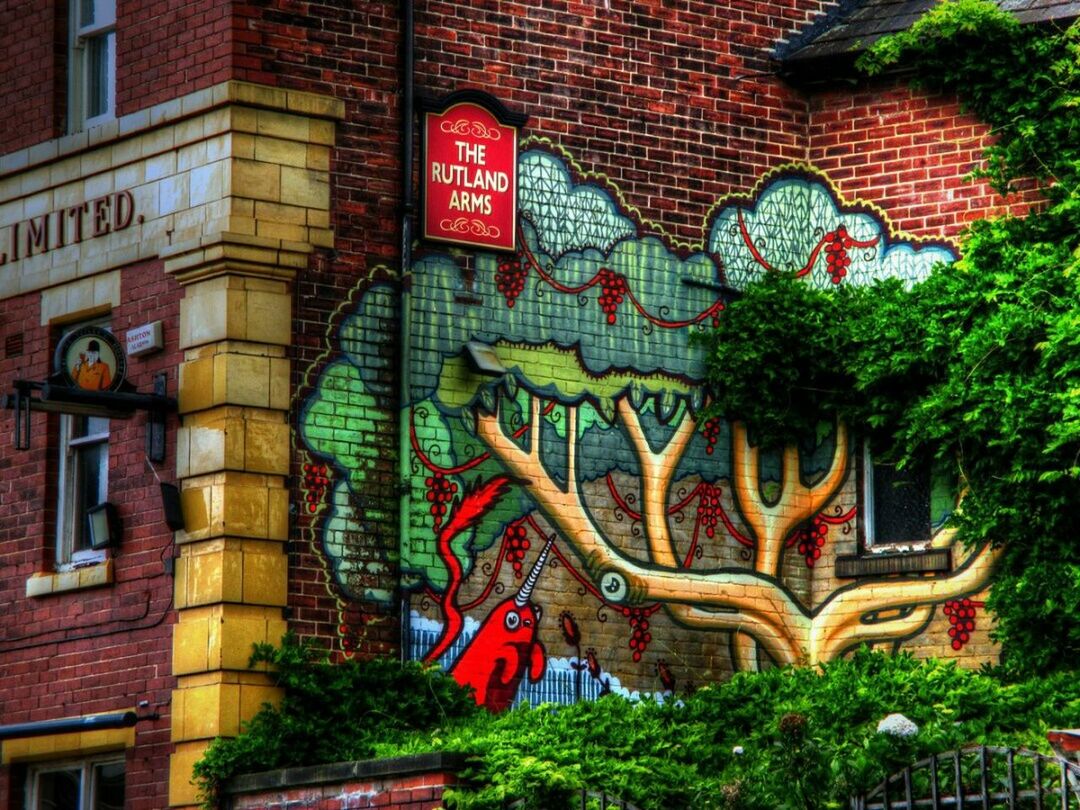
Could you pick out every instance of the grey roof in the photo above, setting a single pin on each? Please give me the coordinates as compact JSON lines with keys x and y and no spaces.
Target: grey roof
{"x":854,"y":24}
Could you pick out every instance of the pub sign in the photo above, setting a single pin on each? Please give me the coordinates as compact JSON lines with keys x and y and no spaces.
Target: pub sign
{"x":470,"y":172}
{"x":91,"y":358}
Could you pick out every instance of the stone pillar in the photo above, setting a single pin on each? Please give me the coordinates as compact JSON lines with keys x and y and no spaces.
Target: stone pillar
{"x":234,"y":443}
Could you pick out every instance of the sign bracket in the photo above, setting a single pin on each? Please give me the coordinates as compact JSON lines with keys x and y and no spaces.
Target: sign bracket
{"x":49,"y":396}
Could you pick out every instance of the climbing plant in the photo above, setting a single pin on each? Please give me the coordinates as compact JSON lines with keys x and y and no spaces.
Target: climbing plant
{"x":978,"y":363}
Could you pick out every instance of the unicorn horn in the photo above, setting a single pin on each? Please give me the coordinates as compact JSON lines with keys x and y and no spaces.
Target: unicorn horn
{"x":523,"y":595}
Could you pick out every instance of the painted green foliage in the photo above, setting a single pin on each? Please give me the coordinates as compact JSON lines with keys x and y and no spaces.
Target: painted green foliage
{"x":546,"y":313}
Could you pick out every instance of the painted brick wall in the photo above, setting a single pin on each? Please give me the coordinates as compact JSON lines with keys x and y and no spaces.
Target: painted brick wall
{"x":673,"y":117}
{"x":670,"y":113}
{"x":646,"y":95}
{"x":101,"y":649}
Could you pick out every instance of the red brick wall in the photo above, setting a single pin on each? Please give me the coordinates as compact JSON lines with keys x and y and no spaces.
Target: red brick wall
{"x":166,"y":49}
{"x":908,"y":153}
{"x":414,"y":793}
{"x":103,"y":649}
{"x":33,"y":90}
{"x":671,"y":101}
{"x":385,"y":784}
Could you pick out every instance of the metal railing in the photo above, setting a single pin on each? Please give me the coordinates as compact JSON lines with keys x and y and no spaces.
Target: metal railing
{"x":978,"y":778}
{"x":589,"y":800}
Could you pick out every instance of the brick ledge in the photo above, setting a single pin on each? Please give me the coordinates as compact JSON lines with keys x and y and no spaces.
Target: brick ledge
{"x":347,"y":771}
{"x":90,"y":576}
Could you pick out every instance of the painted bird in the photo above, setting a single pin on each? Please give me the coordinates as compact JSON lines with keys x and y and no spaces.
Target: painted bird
{"x":505,"y":649}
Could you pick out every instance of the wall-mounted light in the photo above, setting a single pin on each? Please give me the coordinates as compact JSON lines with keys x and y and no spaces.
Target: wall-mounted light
{"x":483,"y":359}
{"x":105,"y":528}
{"x":170,"y":505}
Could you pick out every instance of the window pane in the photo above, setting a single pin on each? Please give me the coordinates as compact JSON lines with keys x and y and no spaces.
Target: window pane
{"x":86,"y":13}
{"x":109,"y":786}
{"x":97,"y":75}
{"x":901,"y":505}
{"x":90,"y":426}
{"x":92,"y":461}
{"x":59,"y":790}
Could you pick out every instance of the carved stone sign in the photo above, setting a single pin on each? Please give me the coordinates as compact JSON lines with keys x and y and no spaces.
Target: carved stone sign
{"x":67,"y":226}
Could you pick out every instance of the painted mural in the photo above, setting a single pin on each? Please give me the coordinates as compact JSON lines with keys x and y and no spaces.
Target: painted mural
{"x":575,"y":525}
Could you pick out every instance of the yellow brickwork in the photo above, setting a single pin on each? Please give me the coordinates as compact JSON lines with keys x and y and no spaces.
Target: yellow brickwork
{"x":236,"y":258}
{"x":220,"y":636}
{"x":61,"y":746}
{"x":235,"y":308}
{"x":91,"y":576}
{"x":232,"y":438}
{"x":252,"y":572}
{"x":182,"y":791}
{"x":235,"y":373}
{"x":192,"y":167}
{"x":235,"y":504}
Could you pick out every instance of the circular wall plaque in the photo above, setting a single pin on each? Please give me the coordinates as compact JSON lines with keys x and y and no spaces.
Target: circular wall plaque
{"x":91,"y":358}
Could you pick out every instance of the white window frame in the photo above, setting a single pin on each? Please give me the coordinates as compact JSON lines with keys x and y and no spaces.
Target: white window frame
{"x":87,"y":779}
{"x":70,"y":504}
{"x":98,"y":24}
{"x":867,"y":510}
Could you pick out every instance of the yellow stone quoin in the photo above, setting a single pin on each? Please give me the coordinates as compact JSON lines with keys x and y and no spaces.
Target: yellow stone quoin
{"x":229,"y":570}
{"x":234,"y":443}
{"x":236,"y":308}
{"x":235,"y":504}
{"x":234,"y":373}
{"x":229,"y":188}
{"x":233,"y":438}
{"x":220,"y":636}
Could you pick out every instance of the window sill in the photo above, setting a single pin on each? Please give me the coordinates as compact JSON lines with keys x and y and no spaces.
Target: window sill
{"x":931,"y":561}
{"x":90,"y":576}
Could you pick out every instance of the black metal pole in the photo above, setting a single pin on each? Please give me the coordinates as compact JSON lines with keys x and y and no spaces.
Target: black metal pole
{"x":408,"y":211}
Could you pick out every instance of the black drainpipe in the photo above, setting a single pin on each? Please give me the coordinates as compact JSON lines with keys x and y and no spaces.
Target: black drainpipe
{"x":408,"y":210}
{"x":68,"y":725}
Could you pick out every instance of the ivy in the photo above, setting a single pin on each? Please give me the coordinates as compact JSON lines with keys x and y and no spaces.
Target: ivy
{"x":980,"y":363}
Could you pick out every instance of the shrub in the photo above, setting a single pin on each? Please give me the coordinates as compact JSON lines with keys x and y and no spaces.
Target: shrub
{"x":806,"y":737}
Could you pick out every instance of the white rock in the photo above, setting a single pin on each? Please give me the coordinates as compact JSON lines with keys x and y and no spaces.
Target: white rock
{"x":898,"y":726}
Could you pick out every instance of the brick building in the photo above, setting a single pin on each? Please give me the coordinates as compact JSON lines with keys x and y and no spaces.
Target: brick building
{"x":374,"y":446}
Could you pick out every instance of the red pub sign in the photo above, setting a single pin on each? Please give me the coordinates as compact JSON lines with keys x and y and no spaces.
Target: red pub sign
{"x":470,"y":174}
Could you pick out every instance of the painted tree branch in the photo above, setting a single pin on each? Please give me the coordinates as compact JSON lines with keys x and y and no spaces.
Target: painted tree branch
{"x":839,"y":622}
{"x":748,"y":600}
{"x":657,"y":472}
{"x":797,"y":503}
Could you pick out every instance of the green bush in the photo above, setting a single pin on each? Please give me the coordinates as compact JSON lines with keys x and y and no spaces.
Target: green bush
{"x":331,"y":712}
{"x":807,"y":736}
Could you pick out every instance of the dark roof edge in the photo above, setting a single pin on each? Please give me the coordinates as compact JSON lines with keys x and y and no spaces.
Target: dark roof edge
{"x":784,"y":48}
{"x":815,"y":71}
